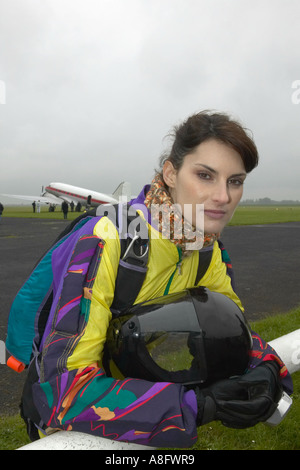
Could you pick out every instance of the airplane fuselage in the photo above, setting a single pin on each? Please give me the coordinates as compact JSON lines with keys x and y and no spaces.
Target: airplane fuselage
{"x":76,"y":194}
{"x":55,"y":193}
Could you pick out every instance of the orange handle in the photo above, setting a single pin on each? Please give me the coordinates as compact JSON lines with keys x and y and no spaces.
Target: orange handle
{"x":15,"y":365}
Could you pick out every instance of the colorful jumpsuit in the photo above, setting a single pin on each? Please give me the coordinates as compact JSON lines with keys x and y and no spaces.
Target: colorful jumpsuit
{"x":74,"y":392}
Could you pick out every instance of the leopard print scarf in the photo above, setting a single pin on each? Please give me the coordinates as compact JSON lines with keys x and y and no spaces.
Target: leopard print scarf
{"x":168,"y":217}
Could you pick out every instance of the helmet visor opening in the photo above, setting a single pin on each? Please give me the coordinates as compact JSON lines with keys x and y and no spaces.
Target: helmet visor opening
{"x":191,"y":337}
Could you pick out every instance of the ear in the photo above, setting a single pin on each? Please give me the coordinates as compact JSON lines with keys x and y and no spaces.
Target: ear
{"x":169,"y":174}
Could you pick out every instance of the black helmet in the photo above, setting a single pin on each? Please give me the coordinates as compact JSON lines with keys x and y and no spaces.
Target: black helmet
{"x":192,"y":337}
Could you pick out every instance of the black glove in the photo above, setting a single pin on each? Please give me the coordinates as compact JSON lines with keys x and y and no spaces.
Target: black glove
{"x":243,"y":401}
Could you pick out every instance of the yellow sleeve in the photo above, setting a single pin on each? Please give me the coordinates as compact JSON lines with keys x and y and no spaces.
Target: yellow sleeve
{"x":216,"y":278}
{"x":90,"y":347}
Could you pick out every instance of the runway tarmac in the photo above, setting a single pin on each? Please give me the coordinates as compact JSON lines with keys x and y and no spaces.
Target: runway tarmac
{"x":266,"y":261}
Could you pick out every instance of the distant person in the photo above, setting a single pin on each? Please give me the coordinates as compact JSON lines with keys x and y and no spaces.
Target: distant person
{"x":38,"y":207}
{"x":78,"y":207}
{"x":1,"y":209}
{"x":65,"y":208}
{"x":33,"y":206}
{"x":72,"y":205}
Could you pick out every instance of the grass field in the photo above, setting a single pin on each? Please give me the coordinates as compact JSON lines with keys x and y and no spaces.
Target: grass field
{"x":26,"y":211}
{"x":258,"y":215}
{"x":244,"y":215}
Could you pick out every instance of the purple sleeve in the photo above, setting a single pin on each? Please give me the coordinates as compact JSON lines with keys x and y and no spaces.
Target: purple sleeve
{"x":262,"y":351}
{"x":156,"y":414}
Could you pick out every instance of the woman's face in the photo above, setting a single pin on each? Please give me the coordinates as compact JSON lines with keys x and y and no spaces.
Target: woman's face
{"x":213,"y":175}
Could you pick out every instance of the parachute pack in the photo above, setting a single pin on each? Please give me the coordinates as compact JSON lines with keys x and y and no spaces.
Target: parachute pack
{"x":29,"y":314}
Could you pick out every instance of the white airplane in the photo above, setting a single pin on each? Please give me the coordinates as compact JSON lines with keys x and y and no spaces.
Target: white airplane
{"x":55,"y":193}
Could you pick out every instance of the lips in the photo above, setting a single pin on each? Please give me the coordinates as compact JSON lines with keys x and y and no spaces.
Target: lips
{"x":214,"y":214}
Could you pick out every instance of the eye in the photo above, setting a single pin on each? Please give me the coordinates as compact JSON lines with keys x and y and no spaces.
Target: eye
{"x":204,"y":175}
{"x":236,"y":181}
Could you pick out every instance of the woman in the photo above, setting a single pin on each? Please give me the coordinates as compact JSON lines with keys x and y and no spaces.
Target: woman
{"x":207,"y":166}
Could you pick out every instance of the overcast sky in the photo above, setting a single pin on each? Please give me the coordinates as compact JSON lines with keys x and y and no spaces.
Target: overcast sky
{"x":89,"y":88}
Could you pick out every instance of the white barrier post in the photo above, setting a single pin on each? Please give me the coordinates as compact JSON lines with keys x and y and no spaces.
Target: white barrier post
{"x":287,"y":347}
{"x":72,"y":440}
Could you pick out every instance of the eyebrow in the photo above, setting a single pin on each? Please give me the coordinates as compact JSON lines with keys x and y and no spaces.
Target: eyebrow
{"x":215,"y":171}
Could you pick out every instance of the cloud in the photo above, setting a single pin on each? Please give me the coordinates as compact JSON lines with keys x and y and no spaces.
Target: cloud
{"x":93,"y":86}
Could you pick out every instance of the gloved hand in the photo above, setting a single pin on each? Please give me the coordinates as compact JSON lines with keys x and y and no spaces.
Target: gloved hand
{"x":243,"y":401}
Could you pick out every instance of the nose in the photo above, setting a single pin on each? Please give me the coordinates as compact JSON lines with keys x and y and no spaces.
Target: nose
{"x":221,"y":194}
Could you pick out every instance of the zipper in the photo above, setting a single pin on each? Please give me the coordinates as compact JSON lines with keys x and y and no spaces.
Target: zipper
{"x":178,"y":266}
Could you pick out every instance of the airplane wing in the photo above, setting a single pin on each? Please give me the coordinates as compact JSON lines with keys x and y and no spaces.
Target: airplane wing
{"x":49,"y":199}
{"x":62,"y":198}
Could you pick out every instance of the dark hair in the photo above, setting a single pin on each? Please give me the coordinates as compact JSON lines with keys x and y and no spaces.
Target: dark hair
{"x":207,"y":125}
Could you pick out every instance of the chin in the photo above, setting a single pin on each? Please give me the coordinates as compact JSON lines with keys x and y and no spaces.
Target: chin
{"x":213,"y":227}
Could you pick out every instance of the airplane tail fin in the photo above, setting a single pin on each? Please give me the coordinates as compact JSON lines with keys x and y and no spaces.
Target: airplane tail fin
{"x":123,"y":191}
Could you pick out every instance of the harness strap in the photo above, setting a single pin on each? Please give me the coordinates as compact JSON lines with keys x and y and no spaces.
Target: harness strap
{"x":204,"y":261}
